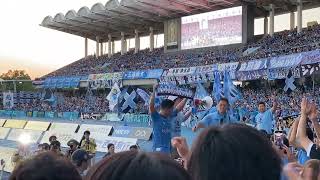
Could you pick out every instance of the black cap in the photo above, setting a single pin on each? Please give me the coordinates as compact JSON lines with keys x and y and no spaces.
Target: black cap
{"x":79,"y":156}
{"x":73,"y":142}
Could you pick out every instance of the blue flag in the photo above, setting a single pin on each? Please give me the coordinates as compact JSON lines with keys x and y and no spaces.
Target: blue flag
{"x":229,"y":89}
{"x":216,"y":92}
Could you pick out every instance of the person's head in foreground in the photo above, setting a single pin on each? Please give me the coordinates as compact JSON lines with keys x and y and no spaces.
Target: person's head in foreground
{"x":110,"y":148}
{"x":52,"y":138}
{"x":230,"y":152}
{"x":86,"y":135}
{"x":80,"y":158}
{"x":45,"y":166}
{"x":223,"y":105}
{"x":134,"y":148}
{"x":135,"y":165}
{"x":310,"y":170}
{"x":166,"y":107}
{"x":55,"y":146}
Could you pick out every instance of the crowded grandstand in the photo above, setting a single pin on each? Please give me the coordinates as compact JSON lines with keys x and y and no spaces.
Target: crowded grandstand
{"x":249,"y":103}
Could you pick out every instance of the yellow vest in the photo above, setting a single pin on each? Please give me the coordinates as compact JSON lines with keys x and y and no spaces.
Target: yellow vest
{"x":90,"y":146}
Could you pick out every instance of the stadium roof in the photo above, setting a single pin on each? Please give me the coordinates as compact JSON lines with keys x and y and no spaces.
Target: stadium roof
{"x":127,"y":15}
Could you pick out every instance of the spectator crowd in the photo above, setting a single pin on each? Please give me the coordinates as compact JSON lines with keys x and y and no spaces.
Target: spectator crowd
{"x":282,"y":43}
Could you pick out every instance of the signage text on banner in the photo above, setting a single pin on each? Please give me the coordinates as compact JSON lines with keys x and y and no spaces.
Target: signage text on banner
{"x":4,"y":132}
{"x":120,"y":143}
{"x":112,"y":117}
{"x":137,"y":118}
{"x":169,"y":89}
{"x":106,"y":80}
{"x":37,"y":125}
{"x":19,"y":124}
{"x":94,"y":129}
{"x":132,"y":132}
{"x":143,"y":74}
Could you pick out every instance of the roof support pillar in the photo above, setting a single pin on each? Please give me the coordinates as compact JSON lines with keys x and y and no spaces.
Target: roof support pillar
{"x":109,"y":45}
{"x":101,"y":48}
{"x":292,"y":19}
{"x":85,"y":47}
{"x":97,"y":46}
{"x":299,"y":16}
{"x":122,"y":44}
{"x":113,"y":47}
{"x":265,"y":25}
{"x":271,"y":19}
{"x":137,"y":41}
{"x":151,"y":39}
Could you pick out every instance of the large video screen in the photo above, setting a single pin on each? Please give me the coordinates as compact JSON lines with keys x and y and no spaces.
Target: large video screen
{"x":214,"y":28}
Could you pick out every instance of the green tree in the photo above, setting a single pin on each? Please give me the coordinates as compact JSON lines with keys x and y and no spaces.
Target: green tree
{"x":18,"y":77}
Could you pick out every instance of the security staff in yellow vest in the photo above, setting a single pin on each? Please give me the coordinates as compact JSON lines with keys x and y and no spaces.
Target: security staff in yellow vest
{"x":88,"y":144}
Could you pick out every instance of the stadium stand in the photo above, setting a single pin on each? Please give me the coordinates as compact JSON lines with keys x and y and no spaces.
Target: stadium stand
{"x":282,"y":43}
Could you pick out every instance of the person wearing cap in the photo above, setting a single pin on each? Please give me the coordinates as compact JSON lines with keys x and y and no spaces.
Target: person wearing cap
{"x":73,"y":144}
{"x":80,"y":159}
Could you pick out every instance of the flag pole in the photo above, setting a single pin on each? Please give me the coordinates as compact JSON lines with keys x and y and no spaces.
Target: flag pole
{"x":313,"y":85}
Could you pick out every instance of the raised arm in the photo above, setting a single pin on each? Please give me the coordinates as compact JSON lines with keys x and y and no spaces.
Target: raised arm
{"x":187,"y":115}
{"x":314,"y":118}
{"x":302,"y":138}
{"x":181,"y":105}
{"x":152,"y":108}
{"x":293,"y":133}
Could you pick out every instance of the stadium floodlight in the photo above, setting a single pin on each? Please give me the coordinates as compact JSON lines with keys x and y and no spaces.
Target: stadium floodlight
{"x":24,"y":139}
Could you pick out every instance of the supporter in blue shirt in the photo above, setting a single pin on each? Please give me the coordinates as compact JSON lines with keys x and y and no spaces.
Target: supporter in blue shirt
{"x":264,"y":118}
{"x":219,"y":117}
{"x":162,"y":123}
{"x":179,"y":118}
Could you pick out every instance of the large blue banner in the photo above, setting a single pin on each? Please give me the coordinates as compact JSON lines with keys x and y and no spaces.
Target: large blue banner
{"x":287,"y":61}
{"x":62,"y":82}
{"x":311,"y":57}
{"x":251,"y":75}
{"x":254,"y":65}
{"x":144,"y":74}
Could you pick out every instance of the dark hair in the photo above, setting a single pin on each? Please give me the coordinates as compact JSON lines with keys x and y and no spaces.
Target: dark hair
{"x":55,"y":143}
{"x":224,"y":99}
{"x":110,"y":145}
{"x":46,"y":166}
{"x":85,"y":132}
{"x":309,"y":133}
{"x":134,"y":147}
{"x":51,"y":137}
{"x":233,"y":151}
{"x":263,"y":103}
{"x":166,"y":104}
{"x":45,"y":146}
{"x":135,"y":165}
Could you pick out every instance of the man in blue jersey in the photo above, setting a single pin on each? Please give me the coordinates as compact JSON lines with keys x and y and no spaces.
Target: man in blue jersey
{"x":162,"y":122}
{"x":219,"y":117}
{"x":264,"y":118}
